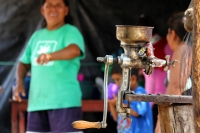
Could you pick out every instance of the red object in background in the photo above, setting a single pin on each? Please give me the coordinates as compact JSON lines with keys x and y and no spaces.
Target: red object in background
{"x":159,"y":44}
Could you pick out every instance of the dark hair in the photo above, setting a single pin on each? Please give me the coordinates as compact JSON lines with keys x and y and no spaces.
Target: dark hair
{"x":68,"y":18}
{"x":175,"y":22}
{"x":116,"y":69}
{"x":145,"y":20}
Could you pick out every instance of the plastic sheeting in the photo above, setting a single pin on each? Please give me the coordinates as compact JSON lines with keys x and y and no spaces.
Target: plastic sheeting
{"x":18,"y":20}
{"x":95,"y":18}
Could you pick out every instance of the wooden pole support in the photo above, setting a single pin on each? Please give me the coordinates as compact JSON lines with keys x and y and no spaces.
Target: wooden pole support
{"x":196,"y":65}
{"x":176,"y":118}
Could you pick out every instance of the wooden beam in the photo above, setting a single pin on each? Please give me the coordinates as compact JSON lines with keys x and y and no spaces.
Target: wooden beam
{"x":196,"y":65}
{"x":159,"y":98}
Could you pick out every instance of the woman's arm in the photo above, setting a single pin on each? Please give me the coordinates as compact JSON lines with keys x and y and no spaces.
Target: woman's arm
{"x":173,"y":87}
{"x":70,"y":52}
{"x":22,"y":70}
{"x":67,"y":53}
{"x":157,"y":128}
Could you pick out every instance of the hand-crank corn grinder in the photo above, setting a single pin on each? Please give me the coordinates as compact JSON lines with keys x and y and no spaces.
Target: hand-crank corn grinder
{"x":138,"y":53}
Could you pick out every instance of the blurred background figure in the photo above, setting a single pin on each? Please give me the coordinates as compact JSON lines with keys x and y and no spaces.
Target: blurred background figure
{"x":55,"y":49}
{"x":175,"y":37}
{"x":140,"y":114}
{"x":154,"y":83}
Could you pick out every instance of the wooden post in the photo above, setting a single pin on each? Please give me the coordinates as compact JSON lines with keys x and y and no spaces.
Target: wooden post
{"x":176,"y":118}
{"x":196,"y":65}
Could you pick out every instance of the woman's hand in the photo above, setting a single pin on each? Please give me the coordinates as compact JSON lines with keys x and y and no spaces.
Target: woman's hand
{"x":43,"y":59}
{"x":17,"y":90}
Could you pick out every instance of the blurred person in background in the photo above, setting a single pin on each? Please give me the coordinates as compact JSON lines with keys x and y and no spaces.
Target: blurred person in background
{"x":53,"y":55}
{"x":154,"y":83}
{"x":175,"y":38}
{"x":141,"y":113}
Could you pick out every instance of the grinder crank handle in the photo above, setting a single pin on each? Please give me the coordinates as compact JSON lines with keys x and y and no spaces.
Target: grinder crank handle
{"x":108,"y":60}
{"x":85,"y":124}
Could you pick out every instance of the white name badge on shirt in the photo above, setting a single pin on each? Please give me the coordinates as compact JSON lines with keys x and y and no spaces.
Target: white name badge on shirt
{"x":44,"y":47}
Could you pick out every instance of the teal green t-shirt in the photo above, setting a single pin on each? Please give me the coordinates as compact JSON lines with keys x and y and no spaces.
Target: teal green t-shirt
{"x":54,"y":85}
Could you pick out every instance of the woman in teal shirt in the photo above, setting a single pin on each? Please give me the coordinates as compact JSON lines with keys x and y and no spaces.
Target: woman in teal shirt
{"x":53,"y":53}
